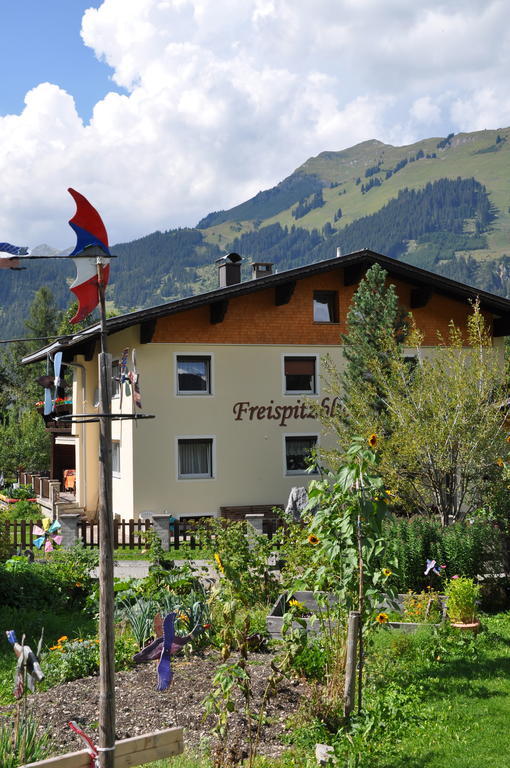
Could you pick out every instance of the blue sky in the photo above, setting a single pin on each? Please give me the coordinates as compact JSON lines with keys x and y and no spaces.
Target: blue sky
{"x":160,"y":111}
{"x":41,"y":42}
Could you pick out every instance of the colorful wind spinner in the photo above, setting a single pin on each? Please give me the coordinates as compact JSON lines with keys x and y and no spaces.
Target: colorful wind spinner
{"x":47,"y":536}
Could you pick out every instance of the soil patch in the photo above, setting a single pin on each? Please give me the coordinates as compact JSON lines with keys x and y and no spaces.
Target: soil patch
{"x":140,"y":708}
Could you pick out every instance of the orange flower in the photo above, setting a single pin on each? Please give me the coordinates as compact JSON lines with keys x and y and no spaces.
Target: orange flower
{"x":372,"y":440}
{"x":382,"y":618}
{"x":312,"y":539}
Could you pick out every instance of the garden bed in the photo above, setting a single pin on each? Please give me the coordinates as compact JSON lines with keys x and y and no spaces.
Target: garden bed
{"x":141,"y":709}
{"x":274,"y":621}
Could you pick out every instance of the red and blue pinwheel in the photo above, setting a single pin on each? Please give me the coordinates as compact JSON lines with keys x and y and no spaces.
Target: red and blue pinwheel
{"x":90,"y":234}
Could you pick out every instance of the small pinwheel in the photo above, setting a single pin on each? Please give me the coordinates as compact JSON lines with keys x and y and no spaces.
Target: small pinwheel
{"x":47,"y":535}
{"x":432,"y":566}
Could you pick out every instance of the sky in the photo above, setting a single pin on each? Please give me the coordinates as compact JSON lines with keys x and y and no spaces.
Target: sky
{"x":160,"y":111}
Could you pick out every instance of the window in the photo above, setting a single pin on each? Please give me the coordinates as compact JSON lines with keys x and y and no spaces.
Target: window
{"x":325,"y":306}
{"x":193,"y":375}
{"x":115,"y":458}
{"x":115,"y":379}
{"x":300,"y":375}
{"x":195,"y":457}
{"x":297,"y":452}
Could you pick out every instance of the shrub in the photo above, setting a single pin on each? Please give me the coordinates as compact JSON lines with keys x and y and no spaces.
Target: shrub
{"x":54,"y":584}
{"x":73,"y":659}
{"x":24,"y":510}
{"x":22,"y":492}
{"x":466,"y":549}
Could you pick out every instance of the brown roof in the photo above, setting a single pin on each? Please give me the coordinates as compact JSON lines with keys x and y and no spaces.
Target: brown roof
{"x":356,"y":262}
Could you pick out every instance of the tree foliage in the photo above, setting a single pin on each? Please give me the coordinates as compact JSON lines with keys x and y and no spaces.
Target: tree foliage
{"x":447,"y":424}
{"x":376,"y":329}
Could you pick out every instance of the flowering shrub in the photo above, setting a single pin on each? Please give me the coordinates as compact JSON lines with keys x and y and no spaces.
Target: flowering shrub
{"x":424,"y":606}
{"x":72,"y":659}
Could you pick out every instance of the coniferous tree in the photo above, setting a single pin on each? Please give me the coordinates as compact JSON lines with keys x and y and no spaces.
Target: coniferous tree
{"x":376,"y":329}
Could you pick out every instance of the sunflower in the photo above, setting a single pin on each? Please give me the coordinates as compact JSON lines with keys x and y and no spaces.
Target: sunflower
{"x":386,"y":572}
{"x":382,"y":618}
{"x":500,"y":462}
{"x":219,"y":563}
{"x":312,"y":539}
{"x":372,"y":440}
{"x":296,"y":604}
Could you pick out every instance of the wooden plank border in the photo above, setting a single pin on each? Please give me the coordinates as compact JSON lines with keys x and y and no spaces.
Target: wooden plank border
{"x":129,"y":753}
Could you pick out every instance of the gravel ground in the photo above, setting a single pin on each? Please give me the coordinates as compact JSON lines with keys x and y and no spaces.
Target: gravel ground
{"x":142,"y":709}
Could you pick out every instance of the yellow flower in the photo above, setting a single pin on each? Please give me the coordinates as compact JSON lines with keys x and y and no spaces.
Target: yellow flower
{"x":62,"y":639}
{"x":296,"y":604}
{"x":507,"y":438}
{"x":386,"y":572}
{"x":382,"y":618}
{"x":219,"y":563}
{"x":372,"y":440}
{"x":312,"y":539}
{"x":55,"y":647}
{"x":500,"y":462}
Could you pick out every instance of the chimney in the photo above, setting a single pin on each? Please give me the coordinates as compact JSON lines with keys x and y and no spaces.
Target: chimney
{"x":261,"y":269}
{"x":229,"y":269}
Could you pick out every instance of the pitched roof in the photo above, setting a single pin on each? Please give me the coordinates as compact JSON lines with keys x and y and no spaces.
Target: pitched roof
{"x":356,"y":262}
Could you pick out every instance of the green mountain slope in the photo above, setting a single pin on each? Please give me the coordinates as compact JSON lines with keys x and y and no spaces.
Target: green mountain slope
{"x":441,"y":203}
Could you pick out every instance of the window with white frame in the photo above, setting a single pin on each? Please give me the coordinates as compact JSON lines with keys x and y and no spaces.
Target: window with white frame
{"x":115,"y":458}
{"x":195,"y":457}
{"x":193,"y":375}
{"x":298,"y":449}
{"x":300,"y":375}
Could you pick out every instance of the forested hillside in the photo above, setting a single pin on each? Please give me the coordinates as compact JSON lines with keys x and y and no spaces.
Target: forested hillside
{"x":442,"y":204}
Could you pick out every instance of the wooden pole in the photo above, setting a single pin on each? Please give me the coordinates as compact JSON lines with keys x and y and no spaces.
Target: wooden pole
{"x":106,"y":605}
{"x":361,"y":600}
{"x":350,"y":663}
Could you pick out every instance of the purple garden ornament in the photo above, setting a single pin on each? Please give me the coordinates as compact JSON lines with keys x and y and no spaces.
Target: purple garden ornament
{"x":163,"y":648}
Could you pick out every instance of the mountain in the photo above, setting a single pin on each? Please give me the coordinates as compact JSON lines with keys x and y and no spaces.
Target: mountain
{"x":441,"y":203}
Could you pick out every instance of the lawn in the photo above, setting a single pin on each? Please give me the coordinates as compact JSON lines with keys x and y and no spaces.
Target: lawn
{"x":467,"y":701}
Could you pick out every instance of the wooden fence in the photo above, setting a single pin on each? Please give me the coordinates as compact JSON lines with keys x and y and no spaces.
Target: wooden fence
{"x":128,"y":534}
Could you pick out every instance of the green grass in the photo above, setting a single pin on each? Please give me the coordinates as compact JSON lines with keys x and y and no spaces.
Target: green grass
{"x":469,"y":706}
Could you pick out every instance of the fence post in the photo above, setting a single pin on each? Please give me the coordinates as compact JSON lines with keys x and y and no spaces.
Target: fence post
{"x":256,"y":521}
{"x":350,"y":662}
{"x":53,"y":495}
{"x":161,"y":527}
{"x":69,"y":530}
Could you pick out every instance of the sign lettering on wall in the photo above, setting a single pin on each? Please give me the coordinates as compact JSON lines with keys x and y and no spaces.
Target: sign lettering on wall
{"x":245,"y":411}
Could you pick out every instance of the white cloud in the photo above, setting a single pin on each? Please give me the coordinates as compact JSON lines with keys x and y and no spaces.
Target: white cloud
{"x":224,"y":98}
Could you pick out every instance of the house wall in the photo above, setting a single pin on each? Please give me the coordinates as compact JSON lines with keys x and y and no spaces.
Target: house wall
{"x":247,"y":351}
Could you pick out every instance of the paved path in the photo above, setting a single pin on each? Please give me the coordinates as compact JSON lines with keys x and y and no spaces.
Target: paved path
{"x":138,"y":569}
